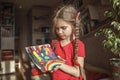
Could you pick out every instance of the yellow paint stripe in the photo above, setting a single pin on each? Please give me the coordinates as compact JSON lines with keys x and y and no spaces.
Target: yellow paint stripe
{"x":36,"y":55}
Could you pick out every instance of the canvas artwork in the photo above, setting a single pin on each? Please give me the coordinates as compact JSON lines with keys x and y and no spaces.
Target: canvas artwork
{"x":41,"y":54}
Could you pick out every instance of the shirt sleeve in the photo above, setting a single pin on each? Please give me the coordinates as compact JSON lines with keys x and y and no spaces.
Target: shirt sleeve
{"x":81,"y":49}
{"x":52,"y":42}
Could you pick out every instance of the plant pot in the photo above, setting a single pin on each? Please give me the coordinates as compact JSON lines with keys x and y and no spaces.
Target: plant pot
{"x":115,"y":66}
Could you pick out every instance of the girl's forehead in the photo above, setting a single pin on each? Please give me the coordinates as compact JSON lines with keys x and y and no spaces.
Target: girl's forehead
{"x":60,"y":22}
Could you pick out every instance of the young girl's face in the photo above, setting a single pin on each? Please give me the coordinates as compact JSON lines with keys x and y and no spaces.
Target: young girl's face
{"x":64,"y":30}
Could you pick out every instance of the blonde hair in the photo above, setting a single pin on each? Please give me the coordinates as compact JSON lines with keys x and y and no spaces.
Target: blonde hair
{"x":68,"y":13}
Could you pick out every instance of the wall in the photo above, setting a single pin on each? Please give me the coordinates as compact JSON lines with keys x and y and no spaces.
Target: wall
{"x":24,"y":36}
{"x":97,"y":9}
{"x":95,"y":53}
{"x":101,"y":10}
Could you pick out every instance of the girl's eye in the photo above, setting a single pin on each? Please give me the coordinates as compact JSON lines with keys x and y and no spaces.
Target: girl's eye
{"x":64,"y":27}
{"x":61,"y":28}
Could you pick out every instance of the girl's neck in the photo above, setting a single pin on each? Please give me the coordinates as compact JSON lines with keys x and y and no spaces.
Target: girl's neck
{"x":66,"y":41}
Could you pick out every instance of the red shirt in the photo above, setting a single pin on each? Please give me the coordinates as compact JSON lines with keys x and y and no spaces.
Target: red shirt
{"x":67,"y":52}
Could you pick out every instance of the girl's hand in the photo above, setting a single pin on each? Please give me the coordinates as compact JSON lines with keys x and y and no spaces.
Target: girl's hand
{"x":53,"y":65}
{"x":55,"y":68}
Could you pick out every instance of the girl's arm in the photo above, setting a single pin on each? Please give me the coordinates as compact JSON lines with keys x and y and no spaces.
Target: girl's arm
{"x":74,"y":70}
{"x":82,"y":70}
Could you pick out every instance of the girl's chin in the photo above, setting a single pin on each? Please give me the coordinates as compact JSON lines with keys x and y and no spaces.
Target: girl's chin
{"x":62,"y":38}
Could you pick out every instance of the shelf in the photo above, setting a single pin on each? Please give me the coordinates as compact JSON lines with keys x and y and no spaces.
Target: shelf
{"x":7,"y":38}
{"x":7,"y":43}
{"x":8,"y":67}
{"x":7,"y":29}
{"x":7,"y":55}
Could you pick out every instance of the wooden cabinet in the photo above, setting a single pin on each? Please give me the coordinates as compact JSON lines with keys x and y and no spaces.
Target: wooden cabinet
{"x":90,"y":18}
{"x":92,"y":13}
{"x":7,"y":36}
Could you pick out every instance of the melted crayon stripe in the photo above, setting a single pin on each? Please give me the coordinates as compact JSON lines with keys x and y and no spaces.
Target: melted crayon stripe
{"x":37,"y":56}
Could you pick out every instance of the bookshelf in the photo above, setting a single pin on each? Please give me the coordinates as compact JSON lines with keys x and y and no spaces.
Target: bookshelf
{"x":7,"y":38}
{"x":40,"y":25}
{"x":92,"y":13}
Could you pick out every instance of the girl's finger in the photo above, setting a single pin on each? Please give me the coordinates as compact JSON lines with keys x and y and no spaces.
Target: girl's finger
{"x":56,"y":68}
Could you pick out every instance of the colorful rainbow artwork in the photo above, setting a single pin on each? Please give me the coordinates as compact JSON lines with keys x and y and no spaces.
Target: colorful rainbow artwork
{"x":50,"y":66}
{"x":41,"y":54}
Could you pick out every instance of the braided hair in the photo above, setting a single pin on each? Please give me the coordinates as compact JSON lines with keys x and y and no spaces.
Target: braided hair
{"x":70,"y":14}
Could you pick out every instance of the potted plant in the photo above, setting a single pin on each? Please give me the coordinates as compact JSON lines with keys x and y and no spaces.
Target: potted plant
{"x":112,"y":36}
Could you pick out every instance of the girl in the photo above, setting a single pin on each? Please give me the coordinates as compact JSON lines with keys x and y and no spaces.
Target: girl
{"x":68,"y":46}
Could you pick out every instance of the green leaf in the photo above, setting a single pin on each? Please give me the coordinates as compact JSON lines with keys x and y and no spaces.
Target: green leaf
{"x":112,"y":33}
